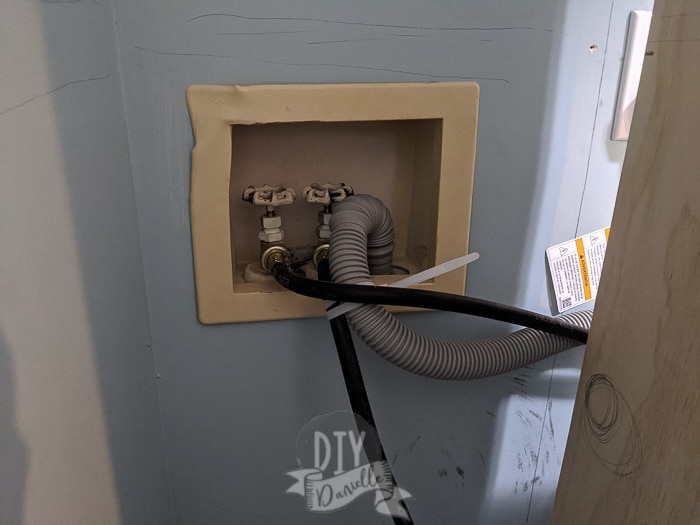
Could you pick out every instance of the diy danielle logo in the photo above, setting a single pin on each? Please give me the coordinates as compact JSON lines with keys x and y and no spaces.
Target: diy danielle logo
{"x":340,"y":462}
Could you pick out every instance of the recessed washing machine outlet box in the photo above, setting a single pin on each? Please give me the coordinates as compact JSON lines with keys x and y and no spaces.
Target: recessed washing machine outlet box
{"x":411,"y":145}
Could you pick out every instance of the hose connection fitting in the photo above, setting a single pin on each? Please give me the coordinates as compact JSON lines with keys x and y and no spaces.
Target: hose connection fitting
{"x":326,"y":194}
{"x":272,"y":255}
{"x":271,"y":234}
{"x":320,"y":253}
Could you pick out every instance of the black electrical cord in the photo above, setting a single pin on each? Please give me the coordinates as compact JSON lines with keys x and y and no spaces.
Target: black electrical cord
{"x":355,"y":293}
{"x":357,"y":393}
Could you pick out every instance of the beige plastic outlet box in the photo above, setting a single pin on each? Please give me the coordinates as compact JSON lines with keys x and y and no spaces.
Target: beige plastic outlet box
{"x":411,"y":145}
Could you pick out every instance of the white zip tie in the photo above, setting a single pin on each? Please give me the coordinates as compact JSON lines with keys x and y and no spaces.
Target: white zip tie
{"x":335,"y":308}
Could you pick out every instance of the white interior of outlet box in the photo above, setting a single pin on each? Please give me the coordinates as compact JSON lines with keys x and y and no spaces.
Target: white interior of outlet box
{"x":397,"y":161}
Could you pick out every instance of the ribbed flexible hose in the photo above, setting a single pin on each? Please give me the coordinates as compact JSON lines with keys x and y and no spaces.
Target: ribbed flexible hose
{"x":362,"y":238}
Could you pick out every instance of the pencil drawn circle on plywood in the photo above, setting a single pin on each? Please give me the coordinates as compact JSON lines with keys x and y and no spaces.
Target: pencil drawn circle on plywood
{"x":609,"y":427}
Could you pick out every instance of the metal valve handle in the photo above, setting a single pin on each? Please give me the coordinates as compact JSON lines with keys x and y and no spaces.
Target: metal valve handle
{"x":269,"y":195}
{"x":326,"y":193}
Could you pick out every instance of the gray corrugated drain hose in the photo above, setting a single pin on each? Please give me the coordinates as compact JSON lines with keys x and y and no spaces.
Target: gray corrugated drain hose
{"x":362,"y":237}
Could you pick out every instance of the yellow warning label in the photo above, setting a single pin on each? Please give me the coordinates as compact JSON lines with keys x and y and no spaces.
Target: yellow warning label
{"x":585,"y":279}
{"x":575,"y":267}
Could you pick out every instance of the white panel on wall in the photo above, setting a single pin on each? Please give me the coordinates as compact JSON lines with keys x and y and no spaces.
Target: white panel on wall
{"x":631,"y":73}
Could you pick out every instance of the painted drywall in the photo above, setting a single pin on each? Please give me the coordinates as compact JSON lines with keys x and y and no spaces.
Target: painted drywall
{"x":80,"y":437}
{"x":233,"y":398}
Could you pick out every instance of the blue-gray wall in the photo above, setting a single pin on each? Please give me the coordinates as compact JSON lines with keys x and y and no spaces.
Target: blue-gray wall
{"x":232,"y":399}
{"x":80,"y":437}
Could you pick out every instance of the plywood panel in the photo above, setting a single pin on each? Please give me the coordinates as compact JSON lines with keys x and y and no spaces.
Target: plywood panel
{"x":633,"y":454}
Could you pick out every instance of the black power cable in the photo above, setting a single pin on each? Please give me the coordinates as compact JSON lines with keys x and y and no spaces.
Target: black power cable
{"x":357,"y":393}
{"x":354,"y":293}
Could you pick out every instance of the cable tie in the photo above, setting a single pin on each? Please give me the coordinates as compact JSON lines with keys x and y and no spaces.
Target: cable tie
{"x":337,"y":308}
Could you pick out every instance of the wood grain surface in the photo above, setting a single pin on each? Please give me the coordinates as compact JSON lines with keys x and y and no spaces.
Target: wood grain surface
{"x":633,"y":454}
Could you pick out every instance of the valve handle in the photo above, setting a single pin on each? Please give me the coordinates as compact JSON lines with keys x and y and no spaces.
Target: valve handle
{"x":326,"y":193}
{"x":268,"y":195}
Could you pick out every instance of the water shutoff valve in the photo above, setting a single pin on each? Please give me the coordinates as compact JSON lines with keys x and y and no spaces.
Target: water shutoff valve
{"x":326,"y":193}
{"x":271,"y":233}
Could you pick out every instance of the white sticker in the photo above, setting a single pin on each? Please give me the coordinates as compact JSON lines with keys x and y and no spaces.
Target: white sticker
{"x":575,"y":267}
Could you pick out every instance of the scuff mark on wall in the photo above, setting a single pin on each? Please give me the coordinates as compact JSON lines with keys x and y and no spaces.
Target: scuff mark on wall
{"x":52,"y":91}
